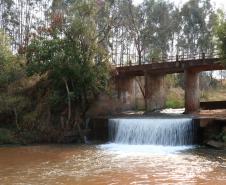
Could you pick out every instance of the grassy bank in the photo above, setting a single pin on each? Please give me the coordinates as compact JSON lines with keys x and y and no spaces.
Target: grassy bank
{"x":175,"y":98}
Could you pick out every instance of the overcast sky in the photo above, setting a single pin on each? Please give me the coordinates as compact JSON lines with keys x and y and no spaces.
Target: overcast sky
{"x":218,"y":3}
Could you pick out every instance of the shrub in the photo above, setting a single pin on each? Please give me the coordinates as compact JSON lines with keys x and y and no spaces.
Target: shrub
{"x":6,"y":137}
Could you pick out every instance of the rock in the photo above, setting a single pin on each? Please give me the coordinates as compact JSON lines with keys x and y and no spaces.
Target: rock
{"x":215,"y":144}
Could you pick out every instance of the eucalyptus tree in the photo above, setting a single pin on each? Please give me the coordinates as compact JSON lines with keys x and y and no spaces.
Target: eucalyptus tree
{"x":160,"y":25}
{"x":6,"y":61}
{"x":135,"y":23}
{"x":221,"y":33}
{"x":197,"y":34}
{"x":148,"y":27}
{"x":21,"y":17}
{"x":8,"y":18}
{"x":11,"y":68}
{"x":10,"y":71}
{"x":176,"y":25}
{"x":130,"y":33}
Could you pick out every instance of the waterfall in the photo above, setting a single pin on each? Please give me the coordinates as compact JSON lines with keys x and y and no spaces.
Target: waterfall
{"x":152,"y":131}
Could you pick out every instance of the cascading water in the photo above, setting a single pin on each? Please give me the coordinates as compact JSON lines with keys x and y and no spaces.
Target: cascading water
{"x":155,"y":131}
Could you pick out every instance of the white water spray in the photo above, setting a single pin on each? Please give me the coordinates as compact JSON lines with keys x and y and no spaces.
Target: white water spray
{"x":152,"y":131}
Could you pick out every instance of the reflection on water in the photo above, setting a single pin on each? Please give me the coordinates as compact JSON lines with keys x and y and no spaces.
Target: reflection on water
{"x":111,"y":164}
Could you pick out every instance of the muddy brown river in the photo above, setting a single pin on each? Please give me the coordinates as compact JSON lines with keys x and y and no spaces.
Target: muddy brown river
{"x":111,"y":164}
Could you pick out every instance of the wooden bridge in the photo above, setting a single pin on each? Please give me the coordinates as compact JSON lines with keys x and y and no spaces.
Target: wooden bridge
{"x":154,"y":72}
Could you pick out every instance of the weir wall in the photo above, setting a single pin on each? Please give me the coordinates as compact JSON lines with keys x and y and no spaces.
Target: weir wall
{"x":208,"y":128}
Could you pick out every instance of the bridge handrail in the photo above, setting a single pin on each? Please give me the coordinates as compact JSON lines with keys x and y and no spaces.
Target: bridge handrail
{"x":176,"y":58}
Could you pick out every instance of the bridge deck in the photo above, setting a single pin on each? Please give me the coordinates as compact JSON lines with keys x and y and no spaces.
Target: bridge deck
{"x":198,"y":65}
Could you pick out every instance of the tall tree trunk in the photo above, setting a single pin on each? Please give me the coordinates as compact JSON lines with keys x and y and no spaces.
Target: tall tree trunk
{"x":69,"y":102}
{"x":140,"y":86}
{"x":139,"y":56}
{"x":16,"y":118}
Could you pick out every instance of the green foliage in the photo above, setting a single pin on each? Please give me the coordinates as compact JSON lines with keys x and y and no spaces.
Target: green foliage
{"x":6,"y":137}
{"x":77,"y":62}
{"x":29,"y":120}
{"x":54,"y":98}
{"x":29,"y":137}
{"x":175,"y":98}
{"x":197,"y":25}
{"x":10,"y":102}
{"x":160,"y":26}
{"x":174,"y":103}
{"x":5,"y":53}
{"x":224,"y":137}
{"x":221,"y":32}
{"x":10,"y":68}
{"x":5,"y":58}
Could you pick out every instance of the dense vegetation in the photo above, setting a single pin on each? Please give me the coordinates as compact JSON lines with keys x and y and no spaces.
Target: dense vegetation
{"x":55,"y":56}
{"x":67,"y":64}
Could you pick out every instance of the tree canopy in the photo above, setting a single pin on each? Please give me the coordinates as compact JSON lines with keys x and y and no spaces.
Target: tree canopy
{"x":72,"y":55}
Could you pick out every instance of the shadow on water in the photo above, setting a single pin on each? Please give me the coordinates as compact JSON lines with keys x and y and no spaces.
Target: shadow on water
{"x":208,"y":153}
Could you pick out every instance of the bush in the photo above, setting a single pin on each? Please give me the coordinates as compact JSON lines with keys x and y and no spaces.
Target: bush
{"x":174,"y":103}
{"x":175,"y":98}
{"x":6,"y":137}
{"x":224,"y":137}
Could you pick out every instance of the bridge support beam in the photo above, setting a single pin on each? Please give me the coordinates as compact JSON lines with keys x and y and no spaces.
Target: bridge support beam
{"x":154,"y":92}
{"x":192,"y":97}
{"x":126,"y":91}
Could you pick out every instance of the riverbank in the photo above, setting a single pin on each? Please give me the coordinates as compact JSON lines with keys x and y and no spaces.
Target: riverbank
{"x":212,"y":125}
{"x":15,"y":137}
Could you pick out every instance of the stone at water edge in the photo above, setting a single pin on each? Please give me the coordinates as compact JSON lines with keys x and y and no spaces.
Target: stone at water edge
{"x":216,"y":144}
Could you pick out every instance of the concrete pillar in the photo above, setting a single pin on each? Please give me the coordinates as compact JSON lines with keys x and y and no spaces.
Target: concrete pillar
{"x":192,"y":99}
{"x":154,"y":92}
{"x":126,"y":92}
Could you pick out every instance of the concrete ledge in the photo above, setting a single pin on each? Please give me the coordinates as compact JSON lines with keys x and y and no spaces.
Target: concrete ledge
{"x":211,"y":105}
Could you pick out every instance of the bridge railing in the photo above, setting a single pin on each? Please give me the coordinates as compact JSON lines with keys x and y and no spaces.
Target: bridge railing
{"x":175,"y":58}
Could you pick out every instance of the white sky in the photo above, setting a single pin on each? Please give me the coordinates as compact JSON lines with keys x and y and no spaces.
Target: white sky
{"x":217,"y":3}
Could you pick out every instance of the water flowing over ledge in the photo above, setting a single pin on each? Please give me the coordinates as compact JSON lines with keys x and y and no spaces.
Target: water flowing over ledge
{"x":152,"y":131}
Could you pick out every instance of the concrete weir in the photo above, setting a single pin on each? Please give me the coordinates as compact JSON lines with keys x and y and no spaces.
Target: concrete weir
{"x":152,"y":131}
{"x":203,"y":128}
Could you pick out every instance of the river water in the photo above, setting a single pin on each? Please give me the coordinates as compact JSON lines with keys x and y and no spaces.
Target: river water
{"x":111,"y":164}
